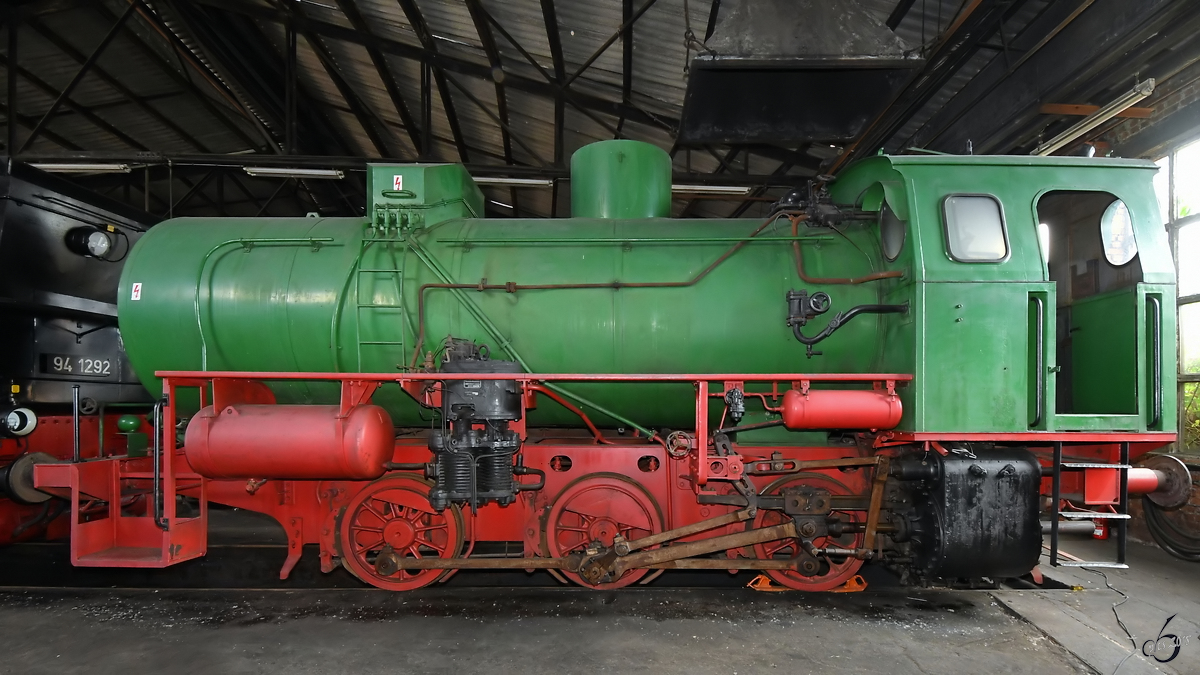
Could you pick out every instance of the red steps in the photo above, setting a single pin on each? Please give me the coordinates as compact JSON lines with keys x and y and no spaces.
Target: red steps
{"x":111,"y":538}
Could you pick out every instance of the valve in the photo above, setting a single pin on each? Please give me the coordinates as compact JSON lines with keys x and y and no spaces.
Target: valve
{"x":803,"y":308}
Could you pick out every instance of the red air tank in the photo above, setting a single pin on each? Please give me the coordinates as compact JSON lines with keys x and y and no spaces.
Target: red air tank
{"x":840,"y":409}
{"x":301,"y":442}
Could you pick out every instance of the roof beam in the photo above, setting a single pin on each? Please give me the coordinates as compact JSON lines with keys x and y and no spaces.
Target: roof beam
{"x":626,"y":55}
{"x":503,"y":125}
{"x":271,"y":199}
{"x":354,"y":163}
{"x":974,"y":24}
{"x":112,"y":82}
{"x":712,"y":19}
{"x":46,"y":7}
{"x":187,"y":197}
{"x":187,"y":56}
{"x":1042,"y":29}
{"x":11,"y":99}
{"x":554,"y":39}
{"x":723,"y":164}
{"x":83,"y":70}
{"x":475,"y":150}
{"x":569,"y":96}
{"x":1075,"y":48}
{"x":899,"y":12}
{"x":483,"y":28}
{"x":247,"y":58}
{"x":350,"y":9}
{"x":290,"y":75}
{"x":447,"y":63}
{"x":1105,"y":79}
{"x":362,"y":112}
{"x":626,"y":24}
{"x":14,"y":119}
{"x":219,"y":113}
{"x":83,"y":112}
{"x":417,"y":21}
{"x":239,"y":49}
{"x":749,"y":200}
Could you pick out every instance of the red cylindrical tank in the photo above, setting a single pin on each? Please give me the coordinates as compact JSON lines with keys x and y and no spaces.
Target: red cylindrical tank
{"x":840,"y":409}
{"x":302,"y":442}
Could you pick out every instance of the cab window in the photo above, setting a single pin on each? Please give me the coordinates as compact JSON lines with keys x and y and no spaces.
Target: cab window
{"x":1092,"y":250}
{"x":975,"y":228}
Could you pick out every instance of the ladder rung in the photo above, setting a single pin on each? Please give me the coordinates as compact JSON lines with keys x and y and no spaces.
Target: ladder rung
{"x":1082,"y":515}
{"x":383,"y":270}
{"x":1092,"y":465}
{"x":380,"y":343}
{"x":382,"y":306}
{"x":1084,"y":563}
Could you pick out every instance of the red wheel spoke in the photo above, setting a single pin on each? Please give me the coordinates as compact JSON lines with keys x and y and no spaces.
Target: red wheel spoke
{"x":586,"y":509}
{"x":831,"y":574}
{"x":584,"y":518}
{"x":359,"y":548}
{"x":773,"y":547}
{"x":378,"y":514}
{"x":440,"y":549}
{"x":375,"y":511}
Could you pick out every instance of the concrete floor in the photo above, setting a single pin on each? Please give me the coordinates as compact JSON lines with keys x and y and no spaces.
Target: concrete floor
{"x":528,"y":631}
{"x":1158,"y":588}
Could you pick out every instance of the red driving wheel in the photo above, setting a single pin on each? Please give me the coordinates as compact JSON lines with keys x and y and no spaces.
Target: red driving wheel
{"x":393,"y":515}
{"x":598,"y":507}
{"x":833,"y":571}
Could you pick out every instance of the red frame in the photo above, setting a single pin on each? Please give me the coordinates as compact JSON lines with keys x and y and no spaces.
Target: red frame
{"x":308,"y":510}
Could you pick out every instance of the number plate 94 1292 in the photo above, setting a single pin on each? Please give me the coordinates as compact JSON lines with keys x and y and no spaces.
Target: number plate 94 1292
{"x":86,"y":366}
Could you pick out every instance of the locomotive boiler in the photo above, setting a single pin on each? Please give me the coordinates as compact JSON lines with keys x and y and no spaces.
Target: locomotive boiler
{"x":924,"y":364}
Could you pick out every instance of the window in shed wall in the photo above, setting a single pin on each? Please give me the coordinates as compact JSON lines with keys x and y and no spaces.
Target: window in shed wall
{"x":1178,"y":188}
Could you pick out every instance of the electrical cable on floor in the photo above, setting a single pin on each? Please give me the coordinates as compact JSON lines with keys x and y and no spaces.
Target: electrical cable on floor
{"x":1115,"y":605}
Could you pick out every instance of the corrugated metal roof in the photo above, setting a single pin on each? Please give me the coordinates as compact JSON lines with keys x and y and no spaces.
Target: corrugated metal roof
{"x":658,"y":80}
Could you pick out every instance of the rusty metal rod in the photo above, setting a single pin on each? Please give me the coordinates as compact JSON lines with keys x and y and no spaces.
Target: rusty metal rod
{"x":704,"y":546}
{"x":566,"y":564}
{"x":801,"y":465}
{"x":569,"y":563}
{"x":688,"y":530}
{"x":881,"y":476}
{"x":728,"y":564}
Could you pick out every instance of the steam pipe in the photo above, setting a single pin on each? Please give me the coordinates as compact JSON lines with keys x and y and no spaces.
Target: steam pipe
{"x":874,"y":276}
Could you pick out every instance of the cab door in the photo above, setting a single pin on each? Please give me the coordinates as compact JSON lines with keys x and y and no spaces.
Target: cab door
{"x":1106,"y":320}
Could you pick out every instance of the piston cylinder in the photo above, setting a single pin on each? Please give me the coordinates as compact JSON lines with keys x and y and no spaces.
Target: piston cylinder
{"x":840,"y":409}
{"x":301,"y":442}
